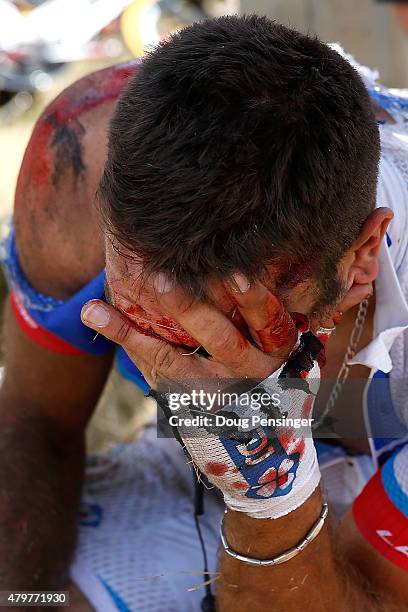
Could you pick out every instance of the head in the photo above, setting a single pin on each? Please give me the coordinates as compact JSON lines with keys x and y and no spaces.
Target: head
{"x":242,"y":146}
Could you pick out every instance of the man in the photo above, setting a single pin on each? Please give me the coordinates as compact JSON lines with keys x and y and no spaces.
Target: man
{"x":239,"y":213}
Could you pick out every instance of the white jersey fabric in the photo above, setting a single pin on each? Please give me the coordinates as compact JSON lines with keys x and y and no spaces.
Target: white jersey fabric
{"x":138,"y":547}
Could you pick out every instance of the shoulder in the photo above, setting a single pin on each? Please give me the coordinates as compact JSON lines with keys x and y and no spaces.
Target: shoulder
{"x":59,"y":241}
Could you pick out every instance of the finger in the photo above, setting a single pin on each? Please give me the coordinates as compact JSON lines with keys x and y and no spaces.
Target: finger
{"x":213,"y":330}
{"x":269,"y":322}
{"x":148,"y":318}
{"x":156,"y":358}
{"x":355,"y":295}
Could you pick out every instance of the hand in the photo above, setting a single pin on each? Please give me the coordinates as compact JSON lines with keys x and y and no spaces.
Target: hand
{"x":232,"y":355}
{"x":256,"y":473}
{"x":354,"y":296}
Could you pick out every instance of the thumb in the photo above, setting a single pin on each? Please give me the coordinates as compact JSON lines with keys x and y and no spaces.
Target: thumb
{"x":107,"y":321}
{"x":155,"y":357}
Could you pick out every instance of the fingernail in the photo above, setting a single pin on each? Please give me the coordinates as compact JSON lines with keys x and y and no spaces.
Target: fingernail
{"x":240,"y":283}
{"x":162,"y":283}
{"x":96,"y":314}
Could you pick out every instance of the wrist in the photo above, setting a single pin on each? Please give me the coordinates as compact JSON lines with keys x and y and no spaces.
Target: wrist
{"x":270,"y":468}
{"x":263,"y":538}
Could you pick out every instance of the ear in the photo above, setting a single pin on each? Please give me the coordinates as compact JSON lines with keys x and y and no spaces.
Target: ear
{"x":362,"y":258}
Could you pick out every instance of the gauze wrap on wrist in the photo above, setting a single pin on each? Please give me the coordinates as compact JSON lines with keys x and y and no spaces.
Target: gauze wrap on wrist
{"x":272,"y":471}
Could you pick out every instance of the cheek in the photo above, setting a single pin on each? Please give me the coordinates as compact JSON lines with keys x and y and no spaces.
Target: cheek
{"x":302,"y":299}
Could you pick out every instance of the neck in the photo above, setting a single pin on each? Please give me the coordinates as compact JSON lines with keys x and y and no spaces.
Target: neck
{"x":339,"y":342}
{"x":346,"y":326}
{"x":348,"y":407}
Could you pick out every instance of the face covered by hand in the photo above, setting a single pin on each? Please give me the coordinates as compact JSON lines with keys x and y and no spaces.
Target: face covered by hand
{"x":136,"y":297}
{"x":263,"y":479}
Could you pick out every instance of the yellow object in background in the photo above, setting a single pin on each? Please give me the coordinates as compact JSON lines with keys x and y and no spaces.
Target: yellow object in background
{"x":139,"y":26}
{"x":144,"y":23}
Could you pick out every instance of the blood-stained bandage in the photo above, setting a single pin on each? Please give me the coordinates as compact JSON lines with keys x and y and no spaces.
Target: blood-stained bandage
{"x":262,"y":462}
{"x":381,"y":510}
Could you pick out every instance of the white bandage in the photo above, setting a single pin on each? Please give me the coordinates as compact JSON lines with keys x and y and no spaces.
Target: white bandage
{"x":275,"y":471}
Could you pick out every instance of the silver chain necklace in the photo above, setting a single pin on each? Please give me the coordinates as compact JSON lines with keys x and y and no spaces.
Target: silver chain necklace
{"x":344,"y":371}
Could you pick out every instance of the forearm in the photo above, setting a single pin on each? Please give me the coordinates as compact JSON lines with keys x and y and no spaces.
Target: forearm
{"x":40,"y":481}
{"x":316,"y":578}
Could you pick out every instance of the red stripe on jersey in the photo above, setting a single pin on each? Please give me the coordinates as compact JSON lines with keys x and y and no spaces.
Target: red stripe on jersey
{"x":38,"y":334}
{"x":381,"y":523}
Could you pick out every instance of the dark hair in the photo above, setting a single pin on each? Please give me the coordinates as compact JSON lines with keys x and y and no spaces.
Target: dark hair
{"x":241,"y":142}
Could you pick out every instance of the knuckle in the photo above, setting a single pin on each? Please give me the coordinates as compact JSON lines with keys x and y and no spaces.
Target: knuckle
{"x":255,"y":297}
{"x":177,"y":301}
{"x":163,"y":357}
{"x":228,"y":342}
{"x":185,"y":303}
{"x":123,"y":333}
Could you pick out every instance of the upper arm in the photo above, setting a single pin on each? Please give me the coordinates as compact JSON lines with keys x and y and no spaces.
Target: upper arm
{"x":58,"y":236}
{"x":60,"y":246}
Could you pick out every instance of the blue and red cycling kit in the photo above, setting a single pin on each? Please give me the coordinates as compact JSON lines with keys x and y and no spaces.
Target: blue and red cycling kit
{"x":56,"y":324}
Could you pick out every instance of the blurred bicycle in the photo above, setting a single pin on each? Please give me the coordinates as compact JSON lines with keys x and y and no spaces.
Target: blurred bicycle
{"x":145,"y":22}
{"x":39,"y":37}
